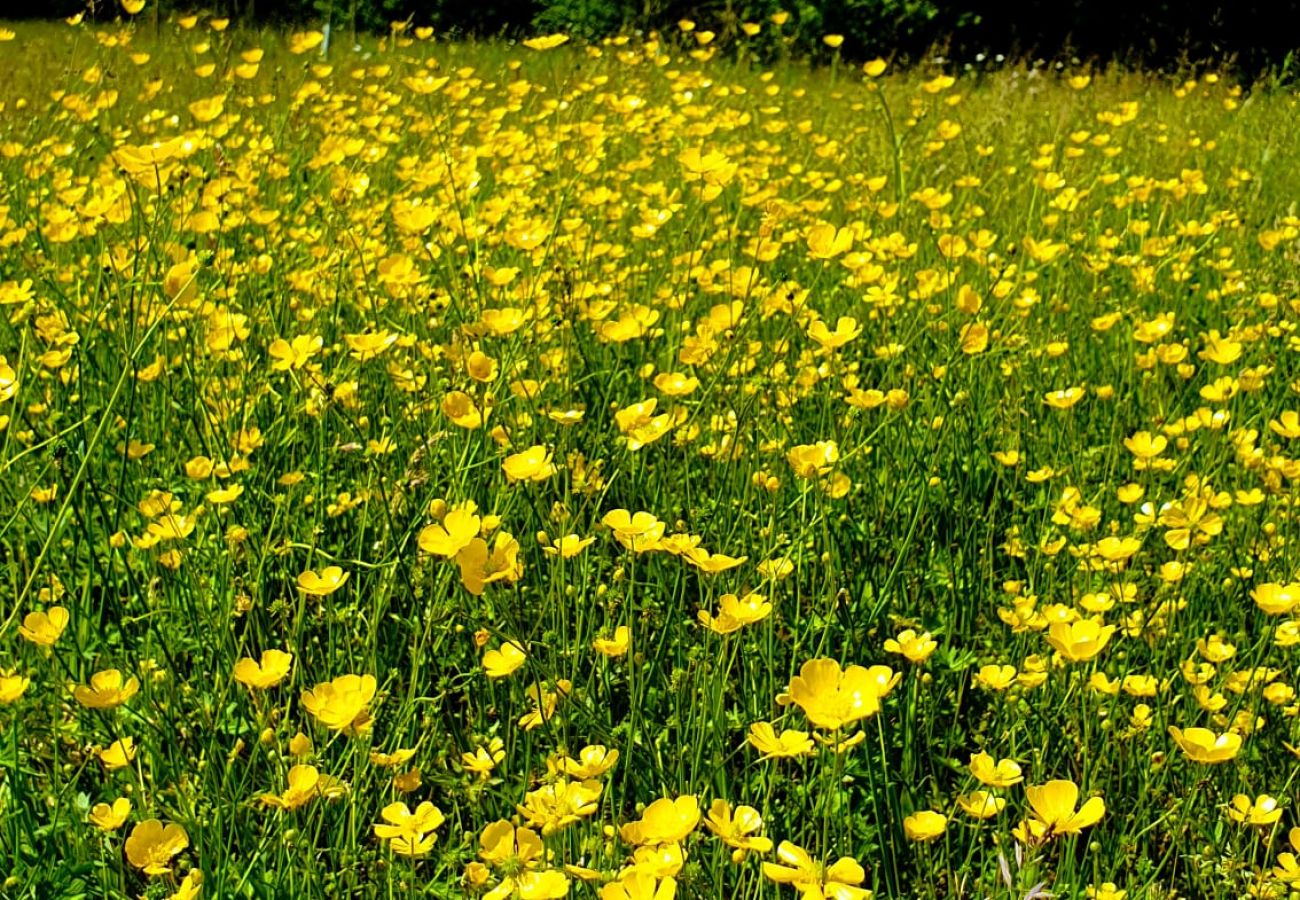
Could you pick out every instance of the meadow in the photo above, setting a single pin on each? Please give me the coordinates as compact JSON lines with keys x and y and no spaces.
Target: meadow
{"x":640,"y":469}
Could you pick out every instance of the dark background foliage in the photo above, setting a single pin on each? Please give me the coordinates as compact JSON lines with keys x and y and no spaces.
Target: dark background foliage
{"x":1253,"y":35}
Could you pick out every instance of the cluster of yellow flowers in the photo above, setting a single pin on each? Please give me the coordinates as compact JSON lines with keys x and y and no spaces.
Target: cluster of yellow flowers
{"x":447,"y":469}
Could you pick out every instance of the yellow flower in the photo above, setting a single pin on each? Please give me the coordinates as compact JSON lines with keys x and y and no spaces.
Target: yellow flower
{"x":825,"y":241}
{"x":981,"y":804}
{"x":533,"y":464}
{"x":484,"y":759}
{"x":665,"y":821}
{"x":832,"y":698}
{"x":118,"y":755}
{"x":812,"y":880}
{"x":463,"y":412}
{"x":840,"y":747}
{"x":409,"y":833}
{"x":342,"y":704}
{"x":191,"y":886}
{"x":973,"y":338}
{"x":546,"y":42}
{"x":8,"y":378}
{"x":710,"y":563}
{"x":503,"y":845}
{"x":110,"y":818}
{"x":1288,"y":868}
{"x":480,"y":565}
{"x":737,"y":828}
{"x":1263,"y":810}
{"x":1276,"y":599}
{"x":1286,"y":425}
{"x":369,"y":345}
{"x":811,"y":460}
{"x":593,"y":761}
{"x":846,"y":329}
{"x":833,"y":40}
{"x":638,"y":533}
{"x":322,"y":583}
{"x":789,"y":743}
{"x":532,"y":884}
{"x":389,"y":760}
{"x":224,"y":495}
{"x":1145,"y":446}
{"x":635,"y":884}
{"x":736,"y":612}
{"x":151,"y":845}
{"x":303,"y":41}
{"x":675,"y":384}
{"x":208,"y":108}
{"x":916,"y":648}
{"x":1204,"y":746}
{"x":925,"y":825}
{"x":295,"y":354}
{"x":776,"y":569}
{"x":12,"y":685}
{"x":1141,"y":717}
{"x":560,"y":803}
{"x":1001,"y":774}
{"x":1107,"y":889}
{"x":132,"y":7}
{"x":501,"y":662}
{"x":305,"y":783}
{"x":1063,"y":399}
{"x":273,"y":669}
{"x":615,"y":646}
{"x":1116,"y":550}
{"x":300,"y":746}
{"x":874,"y":68}
{"x":106,"y":690}
{"x":459,"y":527}
{"x":1054,"y":811}
{"x":995,"y":677}
{"x":568,"y":546}
{"x":659,"y":860}
{"x":1079,"y":640}
{"x":407,"y":782}
{"x":44,"y":628}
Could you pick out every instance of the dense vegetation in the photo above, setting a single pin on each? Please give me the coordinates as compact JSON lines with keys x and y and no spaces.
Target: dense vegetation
{"x":1250,"y":34}
{"x":627,"y":469}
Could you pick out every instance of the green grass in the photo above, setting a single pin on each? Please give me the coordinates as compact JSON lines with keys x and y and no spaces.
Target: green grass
{"x":293,"y":209}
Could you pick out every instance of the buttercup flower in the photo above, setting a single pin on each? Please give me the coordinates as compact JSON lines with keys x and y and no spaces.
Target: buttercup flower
{"x":925,"y":825}
{"x":832,"y":697}
{"x":322,"y":583}
{"x":798,"y":869}
{"x":12,"y":685}
{"x":106,"y":690}
{"x":304,"y":784}
{"x":342,"y":704}
{"x":1054,"y":812}
{"x":1204,"y":746}
{"x":152,"y":845}
{"x":44,"y":628}
{"x":273,"y":668}
{"x":665,"y":821}
{"x":108,"y":817}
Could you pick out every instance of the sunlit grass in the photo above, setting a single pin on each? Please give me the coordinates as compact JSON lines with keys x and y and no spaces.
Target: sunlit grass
{"x":536,"y":471}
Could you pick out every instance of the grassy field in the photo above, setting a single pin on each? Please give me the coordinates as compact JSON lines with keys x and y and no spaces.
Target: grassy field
{"x":614,"y":471}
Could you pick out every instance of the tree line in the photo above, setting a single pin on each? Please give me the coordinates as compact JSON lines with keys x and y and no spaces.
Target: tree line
{"x":1253,"y":35}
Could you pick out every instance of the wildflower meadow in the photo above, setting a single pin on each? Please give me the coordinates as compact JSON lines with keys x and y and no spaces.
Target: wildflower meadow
{"x":639,"y":468}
